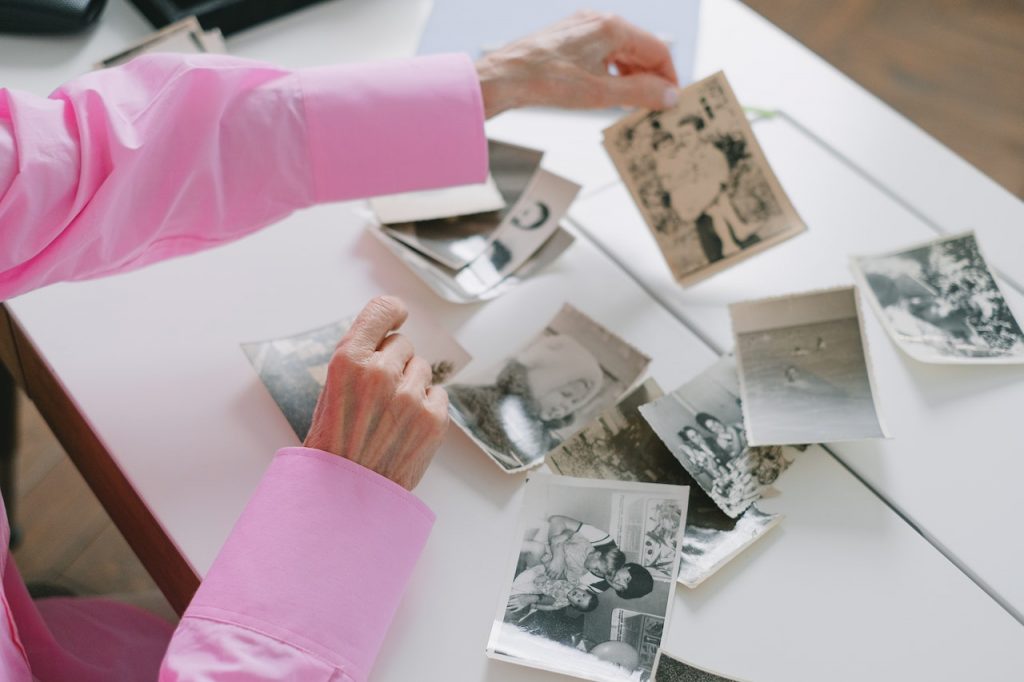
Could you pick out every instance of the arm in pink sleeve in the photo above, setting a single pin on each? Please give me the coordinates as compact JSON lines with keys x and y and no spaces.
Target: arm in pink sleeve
{"x":308,"y":581}
{"x":170,"y":154}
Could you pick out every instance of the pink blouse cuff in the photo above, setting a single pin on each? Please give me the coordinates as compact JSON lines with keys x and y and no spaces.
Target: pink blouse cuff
{"x":427,"y":113}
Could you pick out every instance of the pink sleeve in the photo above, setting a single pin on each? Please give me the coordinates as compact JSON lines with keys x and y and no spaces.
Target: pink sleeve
{"x":308,"y":581}
{"x":171,"y":154}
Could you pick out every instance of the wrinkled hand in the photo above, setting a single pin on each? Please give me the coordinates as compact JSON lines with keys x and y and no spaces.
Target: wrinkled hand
{"x":568,"y":65}
{"x":378,"y":407}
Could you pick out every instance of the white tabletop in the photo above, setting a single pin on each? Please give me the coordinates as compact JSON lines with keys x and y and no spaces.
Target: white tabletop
{"x":844,"y":589}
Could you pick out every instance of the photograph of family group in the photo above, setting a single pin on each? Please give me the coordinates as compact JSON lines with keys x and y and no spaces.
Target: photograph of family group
{"x":591,"y":586}
{"x":520,"y":409}
{"x":701,"y":181}
{"x":702,"y":425}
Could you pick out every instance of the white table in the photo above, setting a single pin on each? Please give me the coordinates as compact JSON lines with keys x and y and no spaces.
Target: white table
{"x":844,"y":589}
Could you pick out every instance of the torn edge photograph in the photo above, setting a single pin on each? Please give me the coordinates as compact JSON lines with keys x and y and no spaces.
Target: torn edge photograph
{"x":668,"y":668}
{"x":294,"y":368}
{"x":701,"y":423}
{"x":522,"y":407}
{"x":804,"y":370}
{"x":941,"y":304}
{"x":578,"y":600}
{"x":452,"y":226}
{"x":620,"y":445}
{"x":701,"y":181}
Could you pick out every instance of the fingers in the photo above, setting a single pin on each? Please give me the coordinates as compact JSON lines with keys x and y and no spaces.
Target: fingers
{"x":396,"y":351}
{"x":635,"y":50}
{"x":417,"y":376}
{"x":642,"y":90}
{"x":380,"y":317}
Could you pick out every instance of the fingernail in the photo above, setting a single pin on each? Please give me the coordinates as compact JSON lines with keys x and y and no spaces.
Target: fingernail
{"x":671,"y":98}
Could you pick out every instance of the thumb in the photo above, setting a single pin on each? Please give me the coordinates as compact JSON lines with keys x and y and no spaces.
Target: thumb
{"x":643,"y":90}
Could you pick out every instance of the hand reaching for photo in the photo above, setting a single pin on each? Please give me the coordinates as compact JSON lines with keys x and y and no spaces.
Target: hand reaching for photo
{"x":568,"y":65}
{"x":378,"y":407}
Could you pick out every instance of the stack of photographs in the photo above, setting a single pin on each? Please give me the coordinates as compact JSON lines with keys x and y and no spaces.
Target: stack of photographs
{"x":701,"y":181}
{"x":472,"y":243}
{"x":589,"y":590}
{"x":804,"y":370}
{"x":182,"y":37}
{"x":620,"y":445}
{"x":941,"y":304}
{"x":294,"y":368}
{"x":519,"y":409}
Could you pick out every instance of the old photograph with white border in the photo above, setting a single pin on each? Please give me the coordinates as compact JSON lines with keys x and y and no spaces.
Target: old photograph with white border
{"x":576,"y":599}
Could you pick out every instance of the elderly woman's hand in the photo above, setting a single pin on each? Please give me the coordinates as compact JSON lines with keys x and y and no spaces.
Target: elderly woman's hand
{"x":378,"y":407}
{"x":568,"y":65}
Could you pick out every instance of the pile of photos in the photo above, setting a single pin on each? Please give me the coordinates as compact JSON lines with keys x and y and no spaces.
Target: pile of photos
{"x":473,"y":243}
{"x":644,"y":489}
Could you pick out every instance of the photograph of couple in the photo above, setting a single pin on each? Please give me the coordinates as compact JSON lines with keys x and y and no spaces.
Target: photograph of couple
{"x":587,"y":597}
{"x":700,"y":179}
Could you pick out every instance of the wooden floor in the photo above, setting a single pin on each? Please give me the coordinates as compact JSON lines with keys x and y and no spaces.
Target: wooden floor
{"x":954,"y":68}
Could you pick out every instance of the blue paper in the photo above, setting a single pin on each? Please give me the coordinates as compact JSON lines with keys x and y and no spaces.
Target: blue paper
{"x":475,"y":26}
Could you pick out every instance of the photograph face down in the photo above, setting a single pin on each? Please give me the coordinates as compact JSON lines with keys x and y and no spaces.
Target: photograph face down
{"x":701,"y":181}
{"x":521,"y":408}
{"x":804,"y":371}
{"x":702,"y":425}
{"x":941,"y":304}
{"x":456,"y":229}
{"x":620,"y":445}
{"x":578,"y":599}
{"x":294,"y":368}
{"x":671,"y":669}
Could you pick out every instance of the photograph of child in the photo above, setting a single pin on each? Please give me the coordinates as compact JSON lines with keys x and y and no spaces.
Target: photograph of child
{"x":576,"y":575}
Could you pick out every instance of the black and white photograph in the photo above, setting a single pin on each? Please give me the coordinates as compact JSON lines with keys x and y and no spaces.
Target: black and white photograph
{"x":941,"y":304}
{"x":620,"y":445}
{"x":455,"y":226}
{"x":578,"y":598}
{"x":701,"y":181}
{"x":443,"y":281}
{"x":294,"y":368}
{"x":668,"y":668}
{"x":701,"y":423}
{"x":526,"y":227}
{"x":519,"y":409}
{"x":804,"y":370}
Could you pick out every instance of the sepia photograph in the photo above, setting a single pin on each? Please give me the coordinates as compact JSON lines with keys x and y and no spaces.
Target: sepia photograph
{"x":294,"y":368}
{"x":804,"y":370}
{"x":455,"y":226}
{"x":701,"y":423}
{"x":701,"y":182}
{"x":620,"y":445}
{"x":521,"y":408}
{"x":668,"y":668}
{"x":941,"y":304}
{"x":579,"y":599}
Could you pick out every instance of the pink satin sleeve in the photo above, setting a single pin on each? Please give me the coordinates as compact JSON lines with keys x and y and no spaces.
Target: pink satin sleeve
{"x":171,"y":154}
{"x":309,"y":580}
